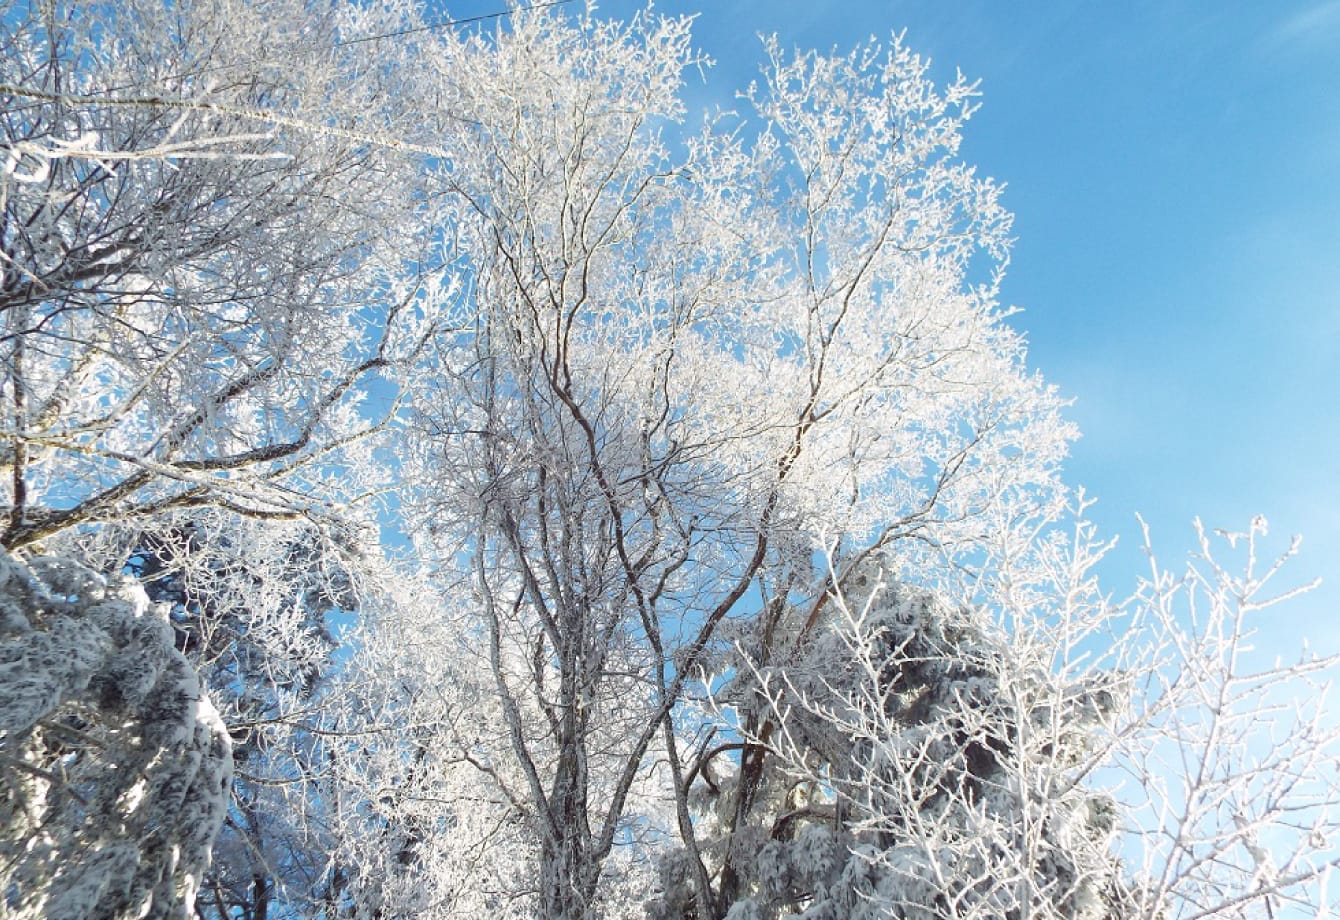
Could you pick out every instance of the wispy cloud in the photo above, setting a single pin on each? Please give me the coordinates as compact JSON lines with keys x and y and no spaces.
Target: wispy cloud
{"x":1313,"y":24}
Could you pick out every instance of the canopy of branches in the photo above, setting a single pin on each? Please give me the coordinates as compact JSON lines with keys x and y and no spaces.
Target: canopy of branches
{"x":518,"y":495}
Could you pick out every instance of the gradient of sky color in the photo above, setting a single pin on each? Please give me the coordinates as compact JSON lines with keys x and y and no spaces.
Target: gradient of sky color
{"x":1174,"y":171}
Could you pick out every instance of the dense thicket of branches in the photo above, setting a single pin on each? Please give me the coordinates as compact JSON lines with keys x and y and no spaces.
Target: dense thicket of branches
{"x":194,"y":298}
{"x":732,"y":571}
{"x":209,"y":283}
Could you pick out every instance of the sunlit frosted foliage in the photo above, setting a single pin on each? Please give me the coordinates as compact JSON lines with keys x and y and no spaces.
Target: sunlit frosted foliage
{"x":910,"y":757}
{"x":196,"y":293}
{"x":683,"y":352}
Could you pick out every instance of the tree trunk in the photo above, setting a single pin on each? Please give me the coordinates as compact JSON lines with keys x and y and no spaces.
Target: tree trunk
{"x":567,"y":878}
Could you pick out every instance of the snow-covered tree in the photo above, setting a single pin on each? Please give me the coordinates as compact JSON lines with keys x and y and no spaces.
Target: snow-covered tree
{"x":1044,"y":753}
{"x":258,"y":608}
{"x":677,"y":357}
{"x":418,"y":797}
{"x":209,"y":282}
{"x":114,"y":764}
{"x":916,"y":766}
{"x":201,"y":251}
{"x":262,"y":262}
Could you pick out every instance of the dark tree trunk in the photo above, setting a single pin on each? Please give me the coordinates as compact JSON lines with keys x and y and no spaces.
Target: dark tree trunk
{"x":567,"y":875}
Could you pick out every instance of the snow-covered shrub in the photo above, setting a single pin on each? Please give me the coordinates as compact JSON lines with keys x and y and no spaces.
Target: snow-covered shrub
{"x":114,"y":764}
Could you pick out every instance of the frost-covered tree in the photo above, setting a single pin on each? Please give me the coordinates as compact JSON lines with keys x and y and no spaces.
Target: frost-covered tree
{"x":209,"y":283}
{"x":1042,"y":753}
{"x":418,"y":799}
{"x":114,"y":764}
{"x":201,"y":241}
{"x":678,"y":356}
{"x":918,"y":767}
{"x":614,"y":669}
{"x":258,"y":608}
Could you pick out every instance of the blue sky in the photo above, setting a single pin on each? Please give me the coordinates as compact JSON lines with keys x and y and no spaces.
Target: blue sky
{"x":1174,"y":170}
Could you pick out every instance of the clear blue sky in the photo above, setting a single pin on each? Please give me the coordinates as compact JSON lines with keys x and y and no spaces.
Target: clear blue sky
{"x":1174,"y":170}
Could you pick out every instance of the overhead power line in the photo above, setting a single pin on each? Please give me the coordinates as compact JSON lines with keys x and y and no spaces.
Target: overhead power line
{"x":448,"y":23}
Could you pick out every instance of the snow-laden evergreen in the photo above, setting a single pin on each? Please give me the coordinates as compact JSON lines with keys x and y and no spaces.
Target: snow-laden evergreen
{"x":116,"y":764}
{"x":917,"y":766}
